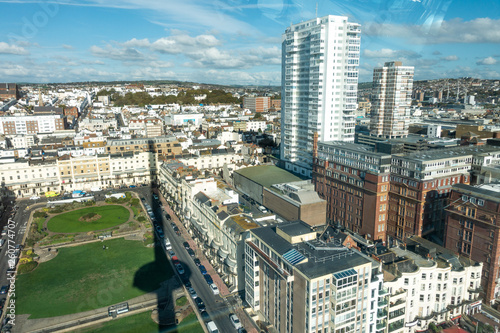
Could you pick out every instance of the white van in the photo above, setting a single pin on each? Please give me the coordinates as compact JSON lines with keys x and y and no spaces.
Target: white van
{"x":168,"y":246}
{"x":95,"y":189}
{"x":212,"y":328}
{"x":262,"y":209}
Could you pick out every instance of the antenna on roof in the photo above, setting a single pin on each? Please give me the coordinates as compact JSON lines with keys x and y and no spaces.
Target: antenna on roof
{"x":316,"y":10}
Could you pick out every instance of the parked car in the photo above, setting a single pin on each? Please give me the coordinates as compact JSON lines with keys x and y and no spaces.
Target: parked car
{"x":173,"y":224}
{"x":179,"y":268}
{"x":214,"y":289}
{"x":204,"y":315}
{"x":175,"y":260}
{"x":171,"y":254}
{"x":199,"y":303}
{"x":186,"y":245}
{"x":2,"y":303}
{"x":212,"y":328}
{"x":155,"y":197}
{"x":132,"y":186}
{"x":203,"y":270}
{"x":235,"y":321}
{"x":168,"y":217}
{"x":35,"y":197}
{"x":197,"y":261}
{"x":191,"y":252}
{"x":208,"y":278}
{"x":4,"y":289}
{"x":192,"y":292}
{"x":242,"y":330}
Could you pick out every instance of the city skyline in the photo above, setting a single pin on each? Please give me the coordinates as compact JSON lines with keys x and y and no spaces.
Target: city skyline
{"x":234,"y":42}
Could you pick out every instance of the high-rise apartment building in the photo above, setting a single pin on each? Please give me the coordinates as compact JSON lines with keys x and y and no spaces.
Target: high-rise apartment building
{"x":320,"y":60}
{"x":391,"y":101}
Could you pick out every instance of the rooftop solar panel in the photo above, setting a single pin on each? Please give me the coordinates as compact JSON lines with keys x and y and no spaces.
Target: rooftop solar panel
{"x":293,"y":256}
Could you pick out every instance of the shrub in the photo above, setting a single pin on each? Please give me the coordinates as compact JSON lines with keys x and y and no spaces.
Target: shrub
{"x":39,"y":214}
{"x":27,"y":267}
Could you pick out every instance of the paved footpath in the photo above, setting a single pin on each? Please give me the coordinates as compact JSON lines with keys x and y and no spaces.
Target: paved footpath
{"x":24,"y":324}
{"x":224,"y":291}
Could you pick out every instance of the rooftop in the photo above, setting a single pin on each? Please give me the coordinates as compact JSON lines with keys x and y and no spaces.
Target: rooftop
{"x":323,"y":257}
{"x":491,"y":190}
{"x":439,"y":154}
{"x":267,"y":175}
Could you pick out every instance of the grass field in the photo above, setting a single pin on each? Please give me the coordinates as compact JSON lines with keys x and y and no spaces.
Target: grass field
{"x":87,"y":277}
{"x":111,"y":216}
{"x":143,"y":323}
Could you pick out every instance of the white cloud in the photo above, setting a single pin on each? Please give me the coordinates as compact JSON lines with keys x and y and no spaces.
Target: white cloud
{"x":181,"y":43}
{"x":391,"y":54}
{"x":67,"y":47}
{"x":6,"y":48}
{"x":125,"y":53}
{"x":487,"y":61}
{"x":479,"y":30}
{"x":450,"y":58}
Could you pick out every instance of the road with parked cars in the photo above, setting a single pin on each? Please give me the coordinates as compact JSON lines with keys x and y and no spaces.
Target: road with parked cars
{"x":194,"y":276}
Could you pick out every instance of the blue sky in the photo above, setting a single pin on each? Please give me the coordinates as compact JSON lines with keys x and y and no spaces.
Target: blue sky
{"x":235,"y":41}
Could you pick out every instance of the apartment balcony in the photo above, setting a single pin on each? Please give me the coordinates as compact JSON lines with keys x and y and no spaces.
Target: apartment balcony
{"x":475,"y":290}
{"x":381,"y":325}
{"x":382,"y":314}
{"x":382,"y":303}
{"x":396,"y":326}
{"x":383,"y":292}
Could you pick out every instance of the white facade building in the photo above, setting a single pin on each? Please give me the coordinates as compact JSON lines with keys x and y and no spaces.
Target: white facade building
{"x":320,"y":60}
{"x":436,"y":288}
{"x":392,"y":85}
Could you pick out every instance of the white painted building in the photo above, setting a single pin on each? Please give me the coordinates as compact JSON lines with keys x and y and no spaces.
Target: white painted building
{"x":428,"y":283}
{"x":319,"y":86}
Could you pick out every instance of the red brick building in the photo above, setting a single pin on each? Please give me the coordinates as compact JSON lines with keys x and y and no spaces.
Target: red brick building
{"x":473,"y":230}
{"x":354,"y":180}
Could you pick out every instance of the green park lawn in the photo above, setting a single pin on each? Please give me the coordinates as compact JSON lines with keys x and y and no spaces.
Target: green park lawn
{"x":111,"y":215}
{"x":86,"y":277}
{"x":142,"y":322}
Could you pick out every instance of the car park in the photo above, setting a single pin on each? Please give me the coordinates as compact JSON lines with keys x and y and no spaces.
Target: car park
{"x":235,"y":321}
{"x":203,"y":270}
{"x":214,"y":289}
{"x":208,"y":278}
{"x":199,"y":303}
{"x":192,"y":292}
